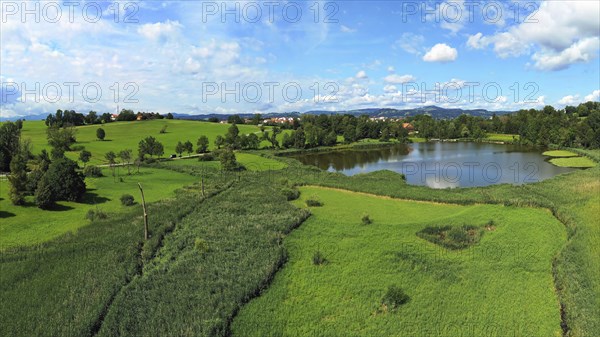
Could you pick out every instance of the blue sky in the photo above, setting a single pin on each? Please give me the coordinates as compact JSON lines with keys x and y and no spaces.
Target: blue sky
{"x":215,"y":57}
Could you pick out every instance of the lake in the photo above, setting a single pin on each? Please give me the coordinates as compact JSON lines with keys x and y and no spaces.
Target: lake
{"x":443,"y":164}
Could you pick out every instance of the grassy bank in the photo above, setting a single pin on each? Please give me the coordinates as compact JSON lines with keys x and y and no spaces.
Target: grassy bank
{"x":501,"y":286}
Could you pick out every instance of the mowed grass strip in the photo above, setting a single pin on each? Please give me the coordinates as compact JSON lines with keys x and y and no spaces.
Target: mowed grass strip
{"x":577,"y":162}
{"x":29,"y":225}
{"x":559,"y":154}
{"x":499,"y":287}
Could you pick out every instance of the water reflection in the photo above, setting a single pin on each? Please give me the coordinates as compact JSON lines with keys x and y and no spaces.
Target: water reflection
{"x":443,"y":165}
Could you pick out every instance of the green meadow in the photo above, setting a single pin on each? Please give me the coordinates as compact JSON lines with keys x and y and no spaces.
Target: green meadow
{"x":29,"y":225}
{"x":251,"y":161}
{"x":500,"y":137}
{"x":238,"y":260}
{"x":501,"y":286}
{"x":127,"y":135}
{"x":564,"y":158}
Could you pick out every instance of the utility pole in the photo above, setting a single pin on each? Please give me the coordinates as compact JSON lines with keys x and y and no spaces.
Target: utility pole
{"x":145,"y":213}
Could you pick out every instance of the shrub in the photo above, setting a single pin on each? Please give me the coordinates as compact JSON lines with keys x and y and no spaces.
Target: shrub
{"x":366,"y":220}
{"x":201,"y":245}
{"x":95,"y":214}
{"x":92,"y":171}
{"x":127,"y":200}
{"x":394,"y":297}
{"x":313,"y":203}
{"x":290,"y":193}
{"x":206,"y":157}
{"x":457,"y":237}
{"x":318,"y":258}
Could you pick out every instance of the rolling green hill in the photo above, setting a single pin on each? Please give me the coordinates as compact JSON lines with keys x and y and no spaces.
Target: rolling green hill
{"x":127,"y":135}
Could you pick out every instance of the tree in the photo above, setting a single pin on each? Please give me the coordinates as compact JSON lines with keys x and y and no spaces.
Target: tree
{"x":252,"y":142}
{"x":235,"y":119}
{"x":287,"y":141}
{"x":228,"y":160}
{"x":179,"y":148}
{"x":62,"y":181}
{"x":232,"y":136}
{"x":189,"y":147}
{"x":44,"y":198}
{"x":100,"y":134}
{"x":18,"y":179}
{"x":105,"y":118}
{"x":150,"y":146}
{"x":125,"y":156}
{"x":39,"y":167}
{"x":299,"y":139}
{"x":10,"y":134}
{"x":202,"y":144}
{"x":163,"y":129}
{"x":273,"y":138}
{"x":91,"y":118}
{"x":84,"y":156}
{"x":61,"y":139}
{"x":169,"y":116}
{"x":219,"y":141}
{"x":111,"y":158}
{"x":350,"y":134}
{"x":256,"y":119}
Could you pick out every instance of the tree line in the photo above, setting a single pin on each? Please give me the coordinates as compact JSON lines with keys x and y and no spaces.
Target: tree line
{"x":72,"y":118}
{"x":570,"y":127}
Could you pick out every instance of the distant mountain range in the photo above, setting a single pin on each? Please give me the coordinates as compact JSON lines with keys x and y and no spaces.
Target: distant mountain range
{"x":432,"y":110}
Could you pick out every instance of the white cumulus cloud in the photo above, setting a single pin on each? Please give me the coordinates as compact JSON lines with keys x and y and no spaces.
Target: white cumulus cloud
{"x":594,"y":96}
{"x":361,"y":75}
{"x":441,"y":52}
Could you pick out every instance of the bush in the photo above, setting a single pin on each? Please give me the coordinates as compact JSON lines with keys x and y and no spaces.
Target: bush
{"x":127,"y":200}
{"x":92,"y":171}
{"x":394,"y":297}
{"x":366,"y":220}
{"x":206,"y":157}
{"x":313,"y":203}
{"x":95,"y":214}
{"x":290,"y":193}
{"x":318,"y":258}
{"x":457,"y":237}
{"x":201,"y":245}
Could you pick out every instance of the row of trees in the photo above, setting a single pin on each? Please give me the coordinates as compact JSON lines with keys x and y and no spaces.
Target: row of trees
{"x":72,"y":118}
{"x":569,"y":127}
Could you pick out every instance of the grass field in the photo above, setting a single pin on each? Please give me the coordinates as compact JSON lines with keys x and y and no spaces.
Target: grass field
{"x":29,"y":225}
{"x":127,"y":135}
{"x":252,"y":162}
{"x":559,"y":154}
{"x":565,"y":158}
{"x":502,"y":286}
{"x":500,"y":137}
{"x":578,"y":162}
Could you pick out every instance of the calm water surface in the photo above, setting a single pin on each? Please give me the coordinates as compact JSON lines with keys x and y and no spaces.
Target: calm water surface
{"x":443,"y":165}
